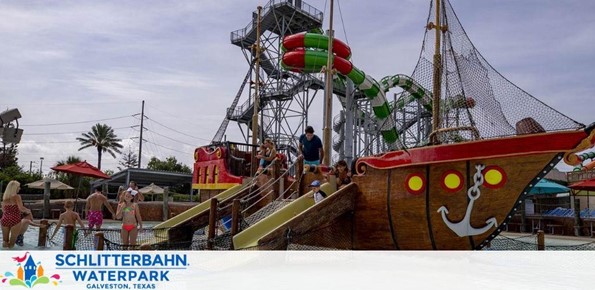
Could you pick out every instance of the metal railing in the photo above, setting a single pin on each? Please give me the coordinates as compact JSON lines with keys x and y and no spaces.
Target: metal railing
{"x":301,"y":5}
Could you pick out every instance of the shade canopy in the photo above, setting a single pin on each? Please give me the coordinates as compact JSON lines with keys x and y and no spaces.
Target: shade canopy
{"x":54,"y":184}
{"x":545,"y":186}
{"x":588,"y":185}
{"x":151,"y":189}
{"x":82,"y":168}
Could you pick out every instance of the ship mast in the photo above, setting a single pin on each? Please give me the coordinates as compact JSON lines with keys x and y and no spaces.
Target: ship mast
{"x":328,"y":94}
{"x":437,"y":77}
{"x":255,"y":131}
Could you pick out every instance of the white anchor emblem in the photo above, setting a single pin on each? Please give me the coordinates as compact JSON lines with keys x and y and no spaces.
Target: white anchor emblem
{"x":463,"y":228}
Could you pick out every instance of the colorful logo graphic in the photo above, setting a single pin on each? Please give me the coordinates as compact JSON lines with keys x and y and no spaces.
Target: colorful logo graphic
{"x":28,"y":273}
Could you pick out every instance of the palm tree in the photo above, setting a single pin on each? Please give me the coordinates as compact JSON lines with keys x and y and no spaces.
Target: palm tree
{"x":103,"y":138}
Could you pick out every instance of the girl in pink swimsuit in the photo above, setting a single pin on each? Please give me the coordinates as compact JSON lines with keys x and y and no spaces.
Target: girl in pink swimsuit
{"x":131,"y":220}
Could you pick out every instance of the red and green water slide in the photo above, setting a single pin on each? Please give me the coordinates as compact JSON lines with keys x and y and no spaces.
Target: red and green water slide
{"x":308,"y":52}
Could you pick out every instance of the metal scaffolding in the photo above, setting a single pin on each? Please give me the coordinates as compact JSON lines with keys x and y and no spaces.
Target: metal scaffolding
{"x":285,"y":96}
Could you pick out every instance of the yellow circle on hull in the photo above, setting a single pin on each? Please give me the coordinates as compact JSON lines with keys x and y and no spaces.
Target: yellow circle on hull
{"x":452,"y":181}
{"x":493,"y":177}
{"x":415,"y":183}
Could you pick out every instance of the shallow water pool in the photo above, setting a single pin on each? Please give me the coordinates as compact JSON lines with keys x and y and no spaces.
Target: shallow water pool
{"x":112,"y":229}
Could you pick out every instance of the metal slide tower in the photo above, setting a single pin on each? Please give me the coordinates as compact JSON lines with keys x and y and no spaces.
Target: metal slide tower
{"x":286,"y":97}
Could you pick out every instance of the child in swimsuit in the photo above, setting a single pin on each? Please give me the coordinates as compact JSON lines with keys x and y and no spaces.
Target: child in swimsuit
{"x":131,"y":220}
{"x":69,"y":217}
{"x":343,"y":175}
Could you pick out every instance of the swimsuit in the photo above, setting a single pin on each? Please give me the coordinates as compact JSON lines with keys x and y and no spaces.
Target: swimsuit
{"x":11,"y":215}
{"x":95,"y":217}
{"x":129,"y":227}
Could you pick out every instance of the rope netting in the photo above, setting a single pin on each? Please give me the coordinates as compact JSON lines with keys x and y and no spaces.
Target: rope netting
{"x":530,"y":243}
{"x":323,"y":238}
{"x":264,"y":201}
{"x":473,"y":93}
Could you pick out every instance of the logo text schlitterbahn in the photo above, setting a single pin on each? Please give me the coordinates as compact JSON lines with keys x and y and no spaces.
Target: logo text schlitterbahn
{"x":122,"y":270}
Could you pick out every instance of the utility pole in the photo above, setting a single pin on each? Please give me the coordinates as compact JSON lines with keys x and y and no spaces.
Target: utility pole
{"x":30,"y":166}
{"x":140,"y":141}
{"x":41,"y":166}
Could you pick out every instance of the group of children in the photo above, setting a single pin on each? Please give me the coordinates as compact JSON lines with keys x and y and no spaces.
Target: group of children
{"x":16,"y":218}
{"x":127,"y":211}
{"x":343,"y":178}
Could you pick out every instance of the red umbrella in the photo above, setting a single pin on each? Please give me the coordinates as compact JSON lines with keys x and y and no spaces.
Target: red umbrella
{"x":588,"y":185}
{"x":82,"y":168}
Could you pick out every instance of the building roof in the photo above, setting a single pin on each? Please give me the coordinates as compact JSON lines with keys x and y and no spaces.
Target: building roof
{"x":556,"y":174}
{"x":144,"y":177}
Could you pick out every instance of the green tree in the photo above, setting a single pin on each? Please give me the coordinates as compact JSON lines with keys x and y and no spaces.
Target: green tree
{"x":170,"y":164}
{"x":8,"y":155}
{"x":129,"y":160}
{"x":69,"y":160}
{"x":16,"y":173}
{"x":103,"y":138}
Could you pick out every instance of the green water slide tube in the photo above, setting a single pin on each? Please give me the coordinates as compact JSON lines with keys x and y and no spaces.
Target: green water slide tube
{"x":308,"y":52}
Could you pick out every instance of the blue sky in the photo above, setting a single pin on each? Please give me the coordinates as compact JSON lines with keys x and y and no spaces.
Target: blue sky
{"x":66,"y":64}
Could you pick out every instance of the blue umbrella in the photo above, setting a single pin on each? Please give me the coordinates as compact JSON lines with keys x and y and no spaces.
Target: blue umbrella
{"x":545,"y":186}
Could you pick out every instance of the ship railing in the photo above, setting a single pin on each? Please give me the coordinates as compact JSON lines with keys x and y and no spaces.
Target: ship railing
{"x":575,"y":176}
{"x":239,"y":111}
{"x":237,"y":160}
{"x":268,"y":185}
{"x":473,"y":130}
{"x":274,"y":190}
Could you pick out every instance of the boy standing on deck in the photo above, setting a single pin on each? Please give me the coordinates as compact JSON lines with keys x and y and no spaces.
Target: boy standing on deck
{"x":94,"y":208}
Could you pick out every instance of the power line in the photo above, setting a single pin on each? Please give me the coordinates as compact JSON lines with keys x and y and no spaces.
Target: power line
{"x":49,"y":142}
{"x":169,"y":148}
{"x":74,"y":132}
{"x":80,"y":122}
{"x":67,"y":103}
{"x":173,"y":115}
{"x":178,"y":131}
{"x":171,"y":138}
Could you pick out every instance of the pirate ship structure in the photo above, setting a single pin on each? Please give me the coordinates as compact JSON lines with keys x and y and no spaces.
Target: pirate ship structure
{"x":443,"y":166}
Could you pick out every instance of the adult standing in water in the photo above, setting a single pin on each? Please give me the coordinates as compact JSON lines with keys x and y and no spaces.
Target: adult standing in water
{"x":12,"y":221}
{"x":94,"y":207}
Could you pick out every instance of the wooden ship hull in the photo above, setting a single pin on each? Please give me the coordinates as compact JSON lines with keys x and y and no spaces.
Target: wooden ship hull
{"x":451,"y":197}
{"x":444,"y":197}
{"x":457,"y":193}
